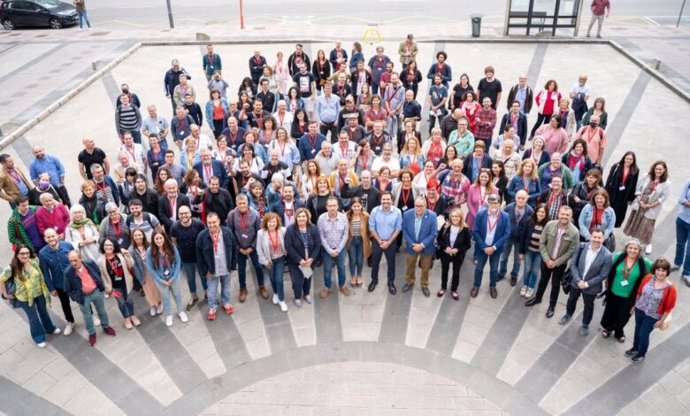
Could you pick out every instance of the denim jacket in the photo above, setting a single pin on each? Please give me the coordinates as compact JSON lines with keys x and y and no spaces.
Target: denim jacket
{"x":608,"y":220}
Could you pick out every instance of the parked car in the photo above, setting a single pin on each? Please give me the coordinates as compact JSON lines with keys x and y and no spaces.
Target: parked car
{"x":33,"y":13}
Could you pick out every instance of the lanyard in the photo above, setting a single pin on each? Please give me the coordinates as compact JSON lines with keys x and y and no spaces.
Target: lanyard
{"x":215,"y":240}
{"x":244,"y":220}
{"x":492,"y":225}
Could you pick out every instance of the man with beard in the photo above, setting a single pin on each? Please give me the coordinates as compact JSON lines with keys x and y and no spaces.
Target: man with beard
{"x":245,"y":222}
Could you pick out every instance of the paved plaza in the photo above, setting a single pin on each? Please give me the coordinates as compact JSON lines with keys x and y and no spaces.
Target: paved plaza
{"x":369,"y":353}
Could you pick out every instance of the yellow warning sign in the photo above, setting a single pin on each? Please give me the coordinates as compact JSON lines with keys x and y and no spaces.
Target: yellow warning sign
{"x":372,"y":36}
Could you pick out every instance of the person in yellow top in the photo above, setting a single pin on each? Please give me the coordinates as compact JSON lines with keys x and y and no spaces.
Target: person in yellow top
{"x":23,"y":284}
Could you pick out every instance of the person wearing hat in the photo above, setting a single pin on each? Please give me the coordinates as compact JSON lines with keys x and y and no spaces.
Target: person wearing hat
{"x":490,"y":232}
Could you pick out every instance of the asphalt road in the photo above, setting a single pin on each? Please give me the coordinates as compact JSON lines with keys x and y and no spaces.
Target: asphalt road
{"x":261,"y":12}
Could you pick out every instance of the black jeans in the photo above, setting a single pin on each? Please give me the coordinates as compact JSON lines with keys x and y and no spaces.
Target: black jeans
{"x":554,"y":275}
{"x":446,"y":261}
{"x":376,"y":253}
{"x":332,"y":127}
{"x":541,"y":119}
{"x":616,"y":314}
{"x":589,"y":304}
{"x":65,"y":303}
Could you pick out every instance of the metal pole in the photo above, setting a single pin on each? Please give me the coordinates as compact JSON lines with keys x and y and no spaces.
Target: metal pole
{"x":680,"y":15}
{"x":170,"y":16}
{"x":241,"y":14}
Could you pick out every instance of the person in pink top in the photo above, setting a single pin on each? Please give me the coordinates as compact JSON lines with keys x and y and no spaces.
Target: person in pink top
{"x":547,"y":104}
{"x":52,"y":214}
{"x":595,"y":137}
{"x":478,"y":195}
{"x":555,"y":136}
{"x":600,"y":9}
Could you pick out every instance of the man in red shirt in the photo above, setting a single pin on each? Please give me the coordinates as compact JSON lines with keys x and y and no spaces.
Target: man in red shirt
{"x":600,"y":9}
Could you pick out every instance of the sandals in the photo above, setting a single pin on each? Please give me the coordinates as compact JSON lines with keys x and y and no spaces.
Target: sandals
{"x":605,"y":334}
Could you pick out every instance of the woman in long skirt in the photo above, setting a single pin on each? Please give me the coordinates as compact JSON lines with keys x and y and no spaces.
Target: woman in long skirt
{"x":646,"y":208}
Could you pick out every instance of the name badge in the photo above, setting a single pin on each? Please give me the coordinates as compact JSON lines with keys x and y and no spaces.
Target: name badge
{"x":624,"y":282}
{"x":404,"y":208}
{"x":245,"y":236}
{"x":621,"y":188}
{"x":120,"y":241}
{"x":182,"y":133}
{"x":378,"y":149}
{"x":313,"y":151}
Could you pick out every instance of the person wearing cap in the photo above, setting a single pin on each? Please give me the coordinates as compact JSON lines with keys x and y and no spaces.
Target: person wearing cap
{"x":490,"y":232}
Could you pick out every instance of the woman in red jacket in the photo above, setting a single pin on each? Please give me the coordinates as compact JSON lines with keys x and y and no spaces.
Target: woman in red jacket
{"x":547,"y":104}
{"x":656,"y":298}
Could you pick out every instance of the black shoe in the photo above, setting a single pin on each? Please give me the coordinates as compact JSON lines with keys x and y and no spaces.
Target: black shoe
{"x":630,"y":353}
{"x":372,"y":285}
{"x":533,"y":301}
{"x":513,"y":281}
{"x":500,"y":277}
{"x":391,"y":288}
{"x":564,"y":320}
{"x":637,"y":358}
{"x":425,"y":291}
{"x":549,"y":312}
{"x":406,"y":287}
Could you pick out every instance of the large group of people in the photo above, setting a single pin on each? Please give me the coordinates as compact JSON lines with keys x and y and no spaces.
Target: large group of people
{"x":322,"y":165}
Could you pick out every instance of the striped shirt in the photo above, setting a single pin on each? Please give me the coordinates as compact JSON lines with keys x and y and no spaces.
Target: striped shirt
{"x":127,"y":118}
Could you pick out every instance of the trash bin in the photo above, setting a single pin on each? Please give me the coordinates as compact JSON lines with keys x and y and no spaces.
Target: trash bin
{"x":476,"y":25}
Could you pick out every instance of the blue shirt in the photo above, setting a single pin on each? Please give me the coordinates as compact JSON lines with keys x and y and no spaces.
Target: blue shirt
{"x":50,"y":165}
{"x":54,"y":263}
{"x":683,"y":211}
{"x":385,"y":223}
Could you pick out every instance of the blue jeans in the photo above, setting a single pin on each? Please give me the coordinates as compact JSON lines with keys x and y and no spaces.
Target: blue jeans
{"x":644,"y":325}
{"x":82,"y":18}
{"x":532,"y":268}
{"x":175,"y":288}
{"x":682,"y":246}
{"x":493,"y":267}
{"x":507,"y":248}
{"x":99,"y":302}
{"x":242,"y":269}
{"x":275,"y":273}
{"x":125,"y":304}
{"x":224,"y":282}
{"x":355,"y":254}
{"x":190,"y":272}
{"x":39,"y":320}
{"x":339,"y":261}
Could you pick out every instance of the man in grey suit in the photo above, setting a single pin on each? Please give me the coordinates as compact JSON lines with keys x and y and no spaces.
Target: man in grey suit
{"x":589,"y":267}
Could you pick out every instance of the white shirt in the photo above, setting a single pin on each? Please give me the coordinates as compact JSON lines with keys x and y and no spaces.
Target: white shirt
{"x":393,"y":164}
{"x":589,"y":259}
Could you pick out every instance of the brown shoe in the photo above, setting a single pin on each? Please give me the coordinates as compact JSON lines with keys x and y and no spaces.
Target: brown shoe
{"x":345,"y":290}
{"x":263,"y":292}
{"x":325,"y":292}
{"x":493,"y":292}
{"x":474,"y":292}
{"x":243,"y":294}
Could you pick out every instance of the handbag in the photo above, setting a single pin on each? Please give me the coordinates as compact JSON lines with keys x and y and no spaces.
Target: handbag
{"x":10,"y":288}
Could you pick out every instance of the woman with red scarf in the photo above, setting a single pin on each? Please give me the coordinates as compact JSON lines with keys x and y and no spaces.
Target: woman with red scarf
{"x":547,"y":104}
{"x":598,"y":213}
{"x":577,"y":160}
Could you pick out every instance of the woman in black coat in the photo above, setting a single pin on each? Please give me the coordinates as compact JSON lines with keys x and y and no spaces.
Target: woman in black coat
{"x":303,"y":251}
{"x":621,"y":184}
{"x":453,"y":242}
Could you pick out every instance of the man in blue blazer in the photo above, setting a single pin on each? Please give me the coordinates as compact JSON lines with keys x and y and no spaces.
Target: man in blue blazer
{"x":519,"y":213}
{"x":209,"y":167}
{"x":419,"y":230}
{"x":490,"y":232}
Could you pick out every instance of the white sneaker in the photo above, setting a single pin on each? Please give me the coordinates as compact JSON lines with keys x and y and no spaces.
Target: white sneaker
{"x":153,"y":311}
{"x":96,"y":320}
{"x":57,"y":331}
{"x":69,"y":328}
{"x":159,"y":309}
{"x":283,"y":306}
{"x":308,"y":299}
{"x":41,"y":345}
{"x":523,"y":291}
{"x":169,"y":320}
{"x":275,"y":299}
{"x":183,"y":317}
{"x":648,"y":249}
{"x":529,"y":293}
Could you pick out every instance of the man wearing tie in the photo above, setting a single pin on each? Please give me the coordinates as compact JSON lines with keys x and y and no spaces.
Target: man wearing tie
{"x":419,"y":230}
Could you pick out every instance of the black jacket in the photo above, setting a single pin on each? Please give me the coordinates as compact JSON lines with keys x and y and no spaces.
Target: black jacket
{"x":204,"y":252}
{"x":164,"y":214}
{"x":462,"y":243}
{"x":295,"y":245}
{"x":373,"y":198}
